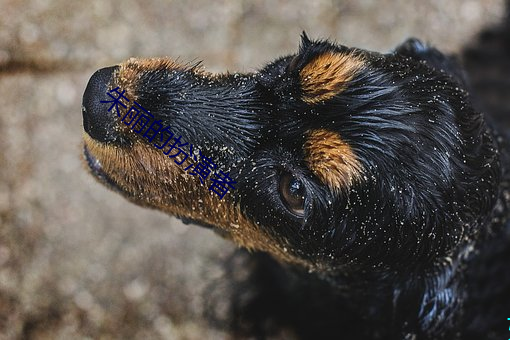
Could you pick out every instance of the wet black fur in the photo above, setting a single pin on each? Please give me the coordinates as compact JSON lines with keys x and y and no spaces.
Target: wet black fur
{"x":401,"y":118}
{"x":399,"y":289}
{"x":419,"y":247}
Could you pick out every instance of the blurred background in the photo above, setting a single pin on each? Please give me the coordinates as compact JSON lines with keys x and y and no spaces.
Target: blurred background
{"x":80,"y":262}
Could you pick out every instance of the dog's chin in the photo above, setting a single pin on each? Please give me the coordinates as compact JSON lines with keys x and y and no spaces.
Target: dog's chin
{"x":96,"y":169}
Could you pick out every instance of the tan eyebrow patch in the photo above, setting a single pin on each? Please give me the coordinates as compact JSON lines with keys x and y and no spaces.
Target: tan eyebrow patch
{"x":331,"y":159}
{"x":328,"y":75}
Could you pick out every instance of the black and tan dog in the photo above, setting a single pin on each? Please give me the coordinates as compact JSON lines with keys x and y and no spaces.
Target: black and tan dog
{"x":371,"y":178}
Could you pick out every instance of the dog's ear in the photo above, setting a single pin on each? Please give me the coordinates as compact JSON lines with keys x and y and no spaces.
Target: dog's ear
{"x":417,"y":50}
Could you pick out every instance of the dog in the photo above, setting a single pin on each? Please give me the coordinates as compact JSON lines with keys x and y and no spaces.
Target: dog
{"x":370,"y":189}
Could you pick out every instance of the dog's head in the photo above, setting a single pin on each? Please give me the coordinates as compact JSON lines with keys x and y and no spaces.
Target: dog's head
{"x":342,"y":158}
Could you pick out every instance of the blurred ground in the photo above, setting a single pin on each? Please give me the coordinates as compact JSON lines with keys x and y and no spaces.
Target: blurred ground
{"x":79,"y":262}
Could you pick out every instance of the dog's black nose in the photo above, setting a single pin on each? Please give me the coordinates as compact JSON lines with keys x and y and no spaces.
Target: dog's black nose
{"x":97,"y":121}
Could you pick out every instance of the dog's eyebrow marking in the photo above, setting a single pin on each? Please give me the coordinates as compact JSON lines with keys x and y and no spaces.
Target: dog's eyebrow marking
{"x":331,"y":159}
{"x":328,"y":75}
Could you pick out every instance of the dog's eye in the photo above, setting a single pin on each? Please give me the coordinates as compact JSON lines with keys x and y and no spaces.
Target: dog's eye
{"x":292,"y":193}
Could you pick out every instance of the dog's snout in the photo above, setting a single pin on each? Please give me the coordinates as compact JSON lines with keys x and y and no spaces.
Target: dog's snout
{"x":97,"y":121}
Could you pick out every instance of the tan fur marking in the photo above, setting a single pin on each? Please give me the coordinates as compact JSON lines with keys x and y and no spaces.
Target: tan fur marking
{"x":327,"y":75}
{"x":151,"y":179}
{"x":331,"y":159}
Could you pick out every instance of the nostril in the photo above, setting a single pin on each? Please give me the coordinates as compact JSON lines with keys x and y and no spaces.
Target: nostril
{"x":97,"y":121}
